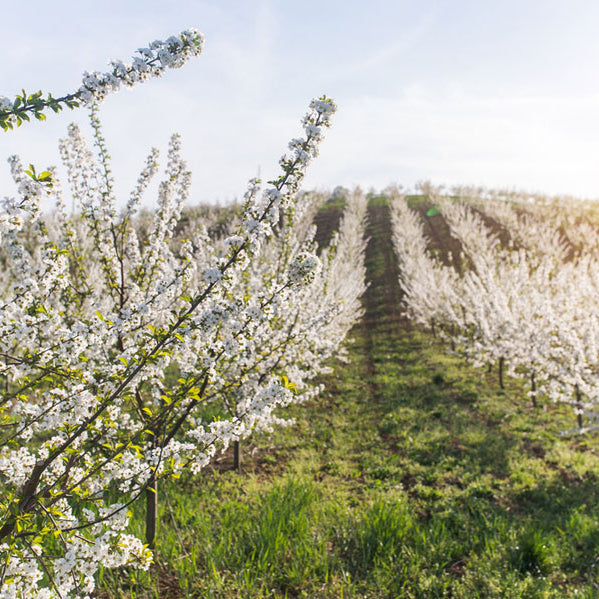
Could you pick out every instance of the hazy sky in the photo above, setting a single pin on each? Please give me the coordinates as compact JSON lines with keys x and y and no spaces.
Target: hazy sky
{"x":458,"y":92}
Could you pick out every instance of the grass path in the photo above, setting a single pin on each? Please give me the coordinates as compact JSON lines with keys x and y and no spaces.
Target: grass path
{"x":413,"y":475}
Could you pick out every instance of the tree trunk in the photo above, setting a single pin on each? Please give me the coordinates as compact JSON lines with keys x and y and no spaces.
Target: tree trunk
{"x":151,"y":511}
{"x":490,"y":367}
{"x":237,"y":455}
{"x":578,"y":406}
{"x":533,"y":388}
{"x":152,"y":488}
{"x":501,"y":360}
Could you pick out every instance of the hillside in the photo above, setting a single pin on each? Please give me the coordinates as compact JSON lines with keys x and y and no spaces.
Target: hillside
{"x":413,"y":475}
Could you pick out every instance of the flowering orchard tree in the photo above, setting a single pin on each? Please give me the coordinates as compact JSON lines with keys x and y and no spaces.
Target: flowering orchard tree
{"x":130,"y":357}
{"x":431,"y":295}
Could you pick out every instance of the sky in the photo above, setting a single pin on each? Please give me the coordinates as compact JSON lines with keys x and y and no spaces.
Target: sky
{"x":500,"y":94}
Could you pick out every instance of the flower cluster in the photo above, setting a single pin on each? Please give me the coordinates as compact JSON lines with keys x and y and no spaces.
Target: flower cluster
{"x":304,"y":268}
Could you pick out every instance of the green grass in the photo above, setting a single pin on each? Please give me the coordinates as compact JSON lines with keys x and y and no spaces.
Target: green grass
{"x":412,"y":476}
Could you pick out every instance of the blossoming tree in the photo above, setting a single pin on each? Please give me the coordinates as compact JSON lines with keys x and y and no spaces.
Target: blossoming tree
{"x":131,"y":355}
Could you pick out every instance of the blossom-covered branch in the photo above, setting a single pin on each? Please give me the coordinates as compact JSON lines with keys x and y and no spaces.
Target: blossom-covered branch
{"x":150,"y":62}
